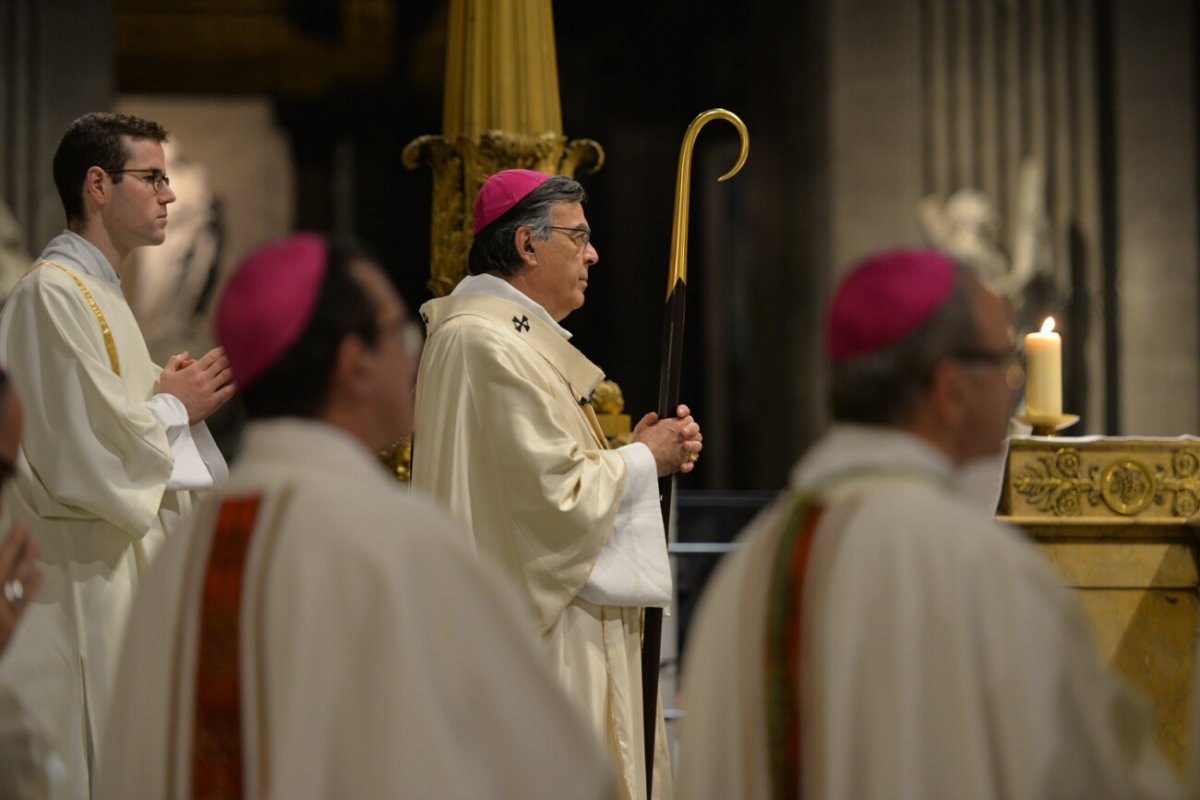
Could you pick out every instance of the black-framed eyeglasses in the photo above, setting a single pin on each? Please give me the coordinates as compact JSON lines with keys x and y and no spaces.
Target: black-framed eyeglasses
{"x":581,"y":236}
{"x":156,"y":180}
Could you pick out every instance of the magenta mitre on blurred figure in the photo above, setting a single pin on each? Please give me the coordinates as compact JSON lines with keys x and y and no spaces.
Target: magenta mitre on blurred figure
{"x":267,"y":303}
{"x":885,"y":298}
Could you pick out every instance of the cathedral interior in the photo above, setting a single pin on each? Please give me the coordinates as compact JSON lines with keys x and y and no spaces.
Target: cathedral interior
{"x":1051,"y":143}
{"x":1051,"y":138}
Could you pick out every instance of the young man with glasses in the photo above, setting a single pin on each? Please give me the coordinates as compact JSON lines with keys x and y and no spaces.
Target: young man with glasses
{"x":113,"y":445}
{"x":506,"y":438}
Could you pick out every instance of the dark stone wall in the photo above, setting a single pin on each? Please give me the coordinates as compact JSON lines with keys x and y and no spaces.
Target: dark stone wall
{"x":55,"y":64}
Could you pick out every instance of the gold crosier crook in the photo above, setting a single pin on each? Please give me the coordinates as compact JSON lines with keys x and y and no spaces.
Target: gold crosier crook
{"x":668,"y":393}
{"x":683,"y":187}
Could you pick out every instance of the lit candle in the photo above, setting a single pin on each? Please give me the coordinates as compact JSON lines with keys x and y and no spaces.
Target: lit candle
{"x":1043,"y":367}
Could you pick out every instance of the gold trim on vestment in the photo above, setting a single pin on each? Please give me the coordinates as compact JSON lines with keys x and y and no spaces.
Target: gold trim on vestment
{"x":109,"y":344}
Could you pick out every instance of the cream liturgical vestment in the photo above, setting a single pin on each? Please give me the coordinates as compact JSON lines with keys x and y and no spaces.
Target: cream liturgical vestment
{"x":30,"y":769}
{"x":373,"y":658}
{"x":505,"y":438}
{"x":102,"y":478}
{"x":876,"y":636}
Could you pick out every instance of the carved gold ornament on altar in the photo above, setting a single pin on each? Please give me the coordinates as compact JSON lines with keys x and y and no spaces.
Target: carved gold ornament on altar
{"x":1066,"y":482}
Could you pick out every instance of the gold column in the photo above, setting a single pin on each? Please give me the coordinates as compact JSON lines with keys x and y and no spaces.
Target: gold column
{"x":501,"y":110}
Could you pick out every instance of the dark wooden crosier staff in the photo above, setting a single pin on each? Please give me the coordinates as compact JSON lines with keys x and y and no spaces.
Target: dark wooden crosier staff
{"x":668,"y":392}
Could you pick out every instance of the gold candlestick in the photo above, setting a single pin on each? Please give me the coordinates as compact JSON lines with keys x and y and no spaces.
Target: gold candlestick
{"x":1048,"y":424}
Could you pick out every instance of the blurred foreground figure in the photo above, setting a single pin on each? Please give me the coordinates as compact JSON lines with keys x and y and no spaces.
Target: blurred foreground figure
{"x":29,"y":767}
{"x":877,"y":636}
{"x":19,"y":574}
{"x":320,"y":635}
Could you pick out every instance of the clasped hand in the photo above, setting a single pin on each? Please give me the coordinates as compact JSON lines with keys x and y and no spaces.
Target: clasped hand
{"x":201,"y":384}
{"x":675,"y":443}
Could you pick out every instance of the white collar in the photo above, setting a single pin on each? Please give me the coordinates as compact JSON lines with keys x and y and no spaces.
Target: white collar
{"x":847,"y":449}
{"x":492,"y":286}
{"x":296,"y":440}
{"x":81,"y":254}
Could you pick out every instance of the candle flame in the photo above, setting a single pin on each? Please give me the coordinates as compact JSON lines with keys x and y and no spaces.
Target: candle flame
{"x":1048,"y":325}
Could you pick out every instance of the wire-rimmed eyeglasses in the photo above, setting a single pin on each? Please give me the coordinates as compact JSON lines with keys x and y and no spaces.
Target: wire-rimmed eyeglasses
{"x":156,"y":180}
{"x":581,"y":236}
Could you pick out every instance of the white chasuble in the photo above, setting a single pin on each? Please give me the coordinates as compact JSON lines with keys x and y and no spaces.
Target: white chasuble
{"x":91,"y":485}
{"x":935,"y":654}
{"x":322,"y":634}
{"x":505,"y":439}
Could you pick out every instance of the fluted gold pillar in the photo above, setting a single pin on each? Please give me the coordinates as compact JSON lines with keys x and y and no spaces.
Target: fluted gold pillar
{"x":501,"y":110}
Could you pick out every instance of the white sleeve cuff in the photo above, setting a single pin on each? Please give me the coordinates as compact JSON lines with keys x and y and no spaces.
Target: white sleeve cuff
{"x":198,"y":462}
{"x":633,"y":568}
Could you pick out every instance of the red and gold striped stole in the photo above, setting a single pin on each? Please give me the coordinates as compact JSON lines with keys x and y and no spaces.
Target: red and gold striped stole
{"x":783,"y":642}
{"x":217,"y":729}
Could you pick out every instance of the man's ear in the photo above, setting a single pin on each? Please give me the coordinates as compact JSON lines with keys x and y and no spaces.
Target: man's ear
{"x":523,"y":241}
{"x":948,"y":392}
{"x":94,"y":186}
{"x":350,"y":367}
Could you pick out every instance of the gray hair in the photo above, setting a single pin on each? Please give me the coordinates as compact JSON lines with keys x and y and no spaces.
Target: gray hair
{"x":494,"y":249}
{"x":884,"y":388}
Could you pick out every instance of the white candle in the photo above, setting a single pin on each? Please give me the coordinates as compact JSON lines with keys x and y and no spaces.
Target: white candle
{"x":1043,"y":368}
